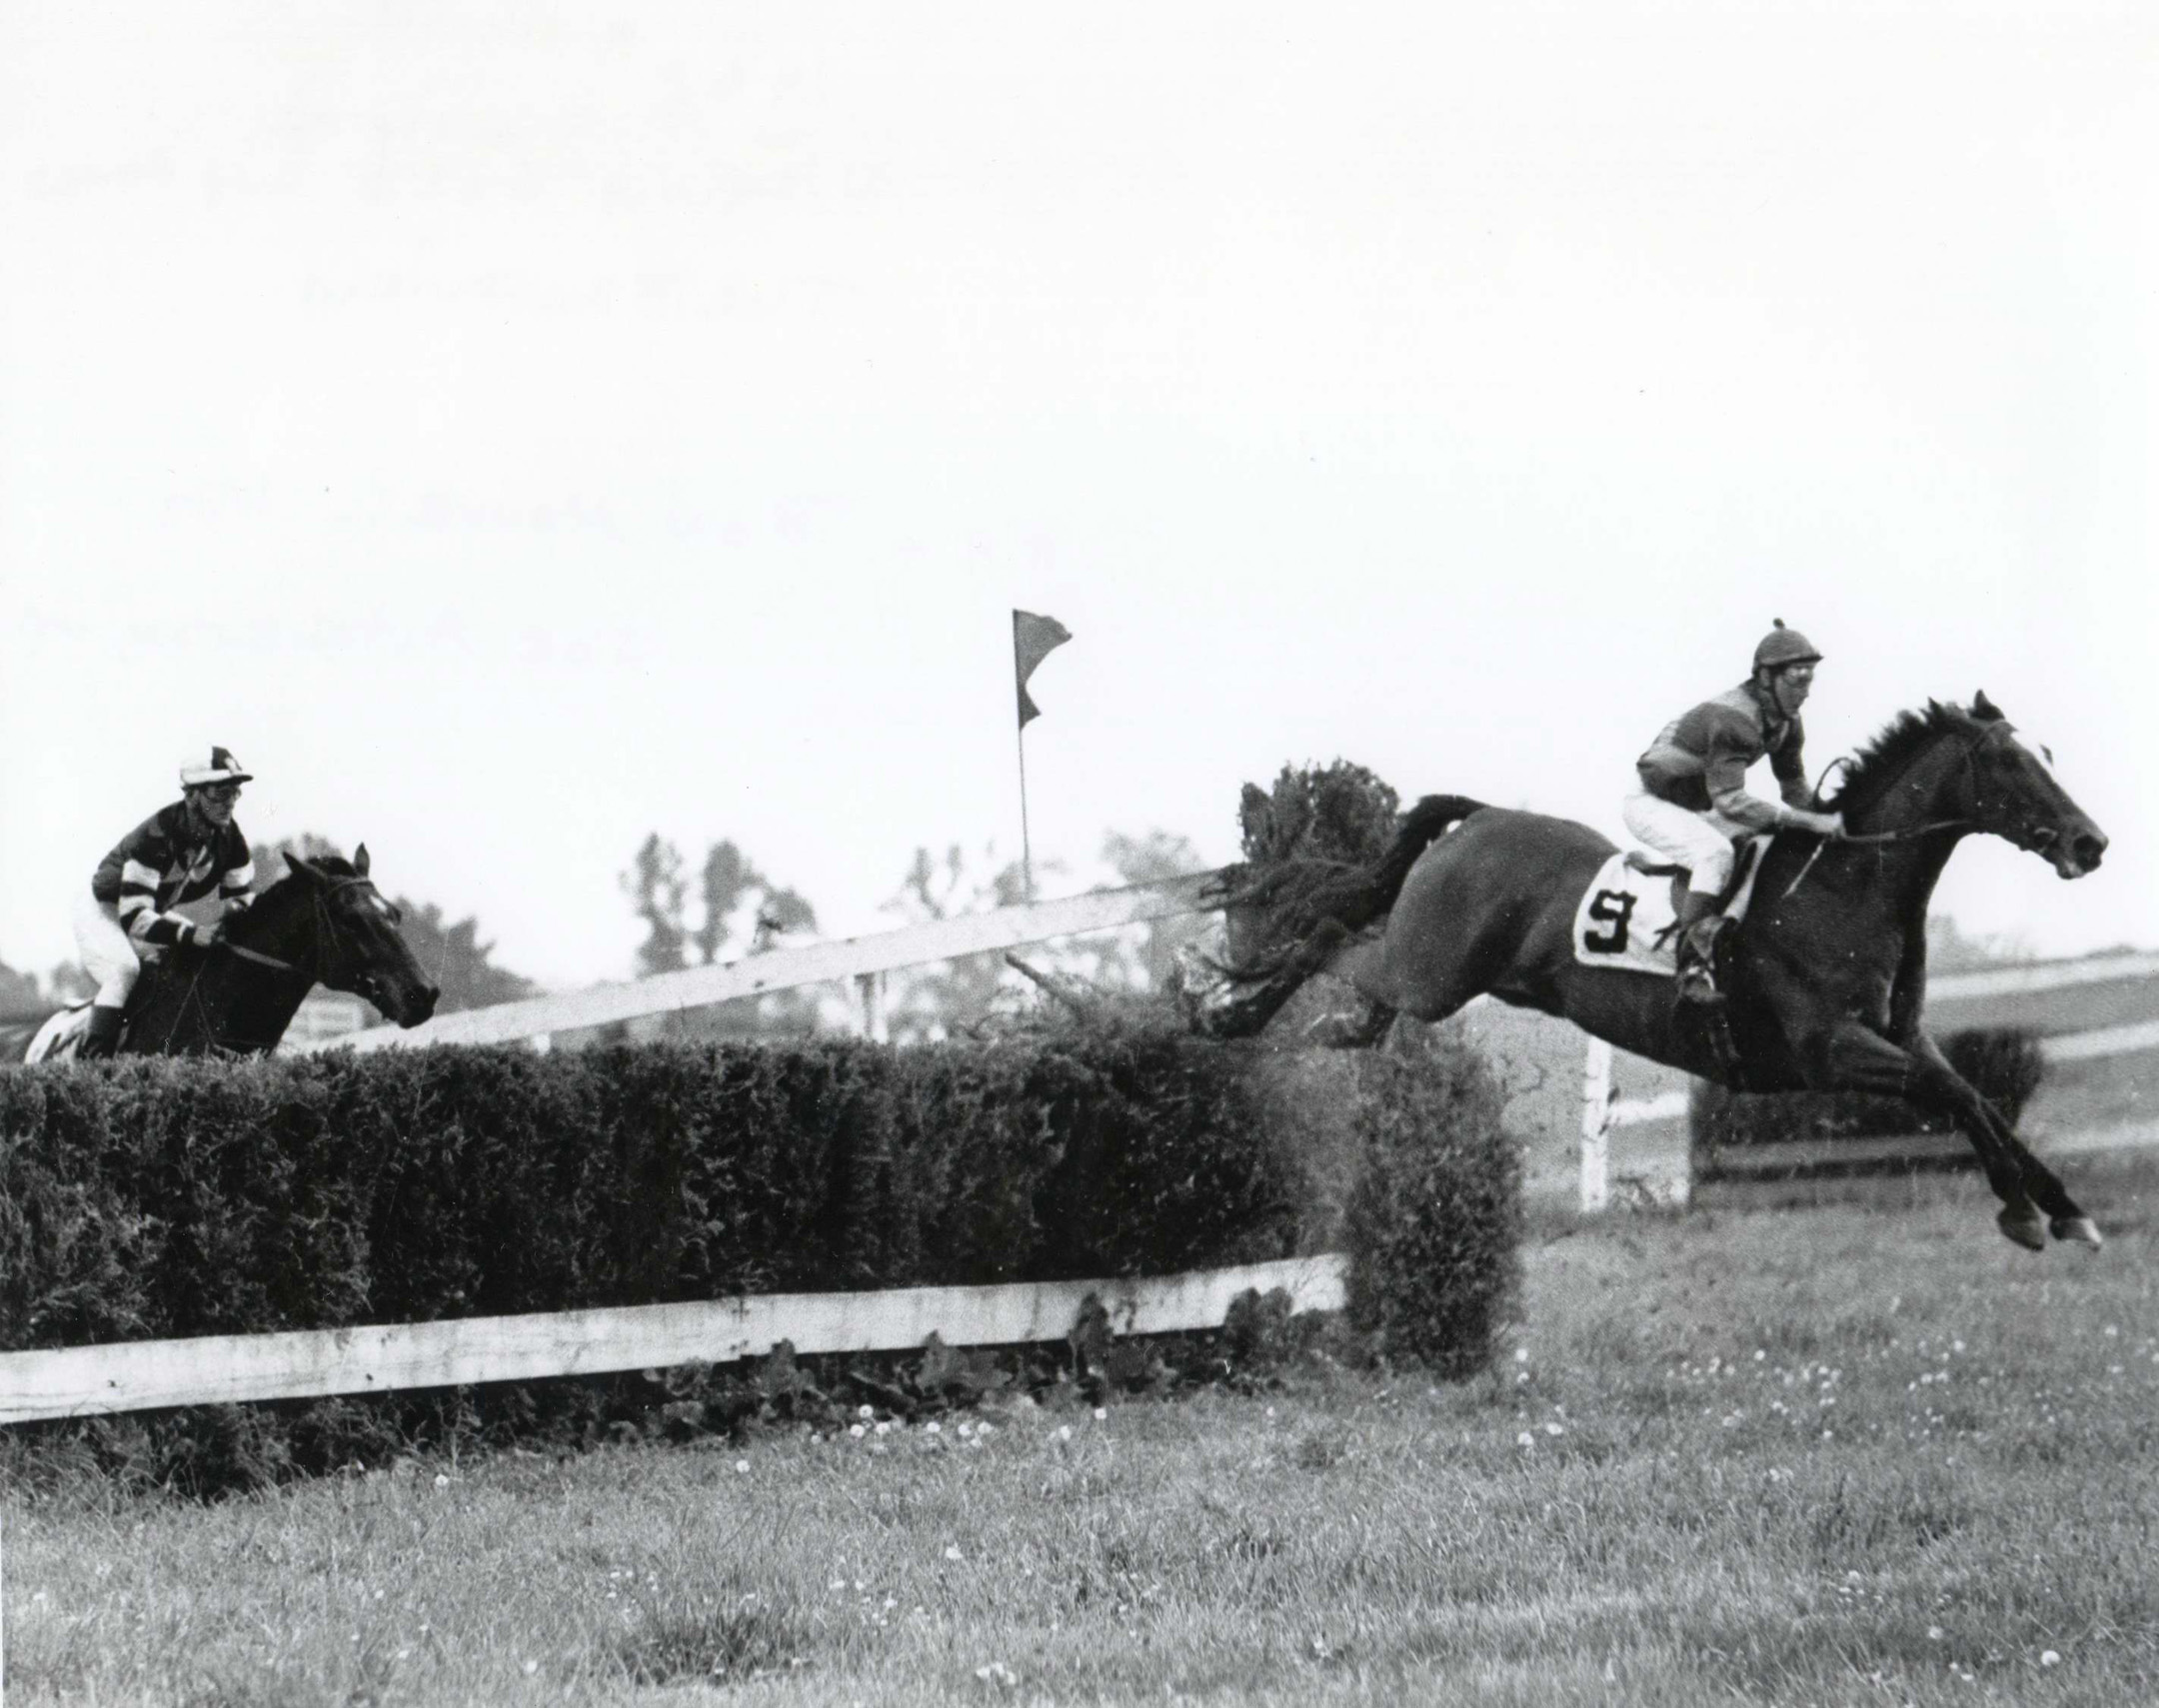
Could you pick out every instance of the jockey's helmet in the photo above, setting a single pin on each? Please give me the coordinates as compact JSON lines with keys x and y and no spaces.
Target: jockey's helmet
{"x":1781,"y":647}
{"x":223,"y":768}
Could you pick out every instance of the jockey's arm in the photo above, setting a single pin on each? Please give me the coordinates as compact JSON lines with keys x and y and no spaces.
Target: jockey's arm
{"x":1790,"y":765}
{"x":147,"y":927}
{"x":1724,"y":776}
{"x":236,"y":890}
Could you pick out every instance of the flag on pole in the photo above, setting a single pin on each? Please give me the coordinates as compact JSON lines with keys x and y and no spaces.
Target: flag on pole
{"x":1034,"y":637}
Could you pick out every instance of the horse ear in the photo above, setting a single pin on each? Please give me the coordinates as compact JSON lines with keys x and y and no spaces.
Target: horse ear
{"x":359,"y":860}
{"x":301,"y":869}
{"x":1984,"y":708}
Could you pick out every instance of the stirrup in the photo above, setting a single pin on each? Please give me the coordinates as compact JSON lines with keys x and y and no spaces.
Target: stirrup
{"x":1697,"y":983}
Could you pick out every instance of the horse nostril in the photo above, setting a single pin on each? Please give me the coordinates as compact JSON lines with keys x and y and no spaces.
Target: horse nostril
{"x":2089,"y":848}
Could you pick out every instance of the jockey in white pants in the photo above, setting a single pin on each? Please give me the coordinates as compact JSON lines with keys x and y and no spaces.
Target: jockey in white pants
{"x":178,"y":855}
{"x":1692,"y":805}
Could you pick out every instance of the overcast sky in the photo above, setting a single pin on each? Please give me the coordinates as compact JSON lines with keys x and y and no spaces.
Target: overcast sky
{"x":517,"y":429}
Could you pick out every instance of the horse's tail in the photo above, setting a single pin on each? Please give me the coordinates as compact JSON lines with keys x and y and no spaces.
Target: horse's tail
{"x":1302,"y":910}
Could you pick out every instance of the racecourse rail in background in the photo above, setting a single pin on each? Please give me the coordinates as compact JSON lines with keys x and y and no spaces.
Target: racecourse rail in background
{"x":1602,"y":1111}
{"x":142,"y":1375}
{"x":864,"y":960}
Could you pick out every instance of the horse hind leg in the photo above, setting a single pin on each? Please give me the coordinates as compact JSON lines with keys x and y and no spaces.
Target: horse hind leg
{"x":1360,"y":1030}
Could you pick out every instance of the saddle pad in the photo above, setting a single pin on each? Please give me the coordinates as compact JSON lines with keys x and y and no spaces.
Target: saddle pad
{"x":1625,"y":919}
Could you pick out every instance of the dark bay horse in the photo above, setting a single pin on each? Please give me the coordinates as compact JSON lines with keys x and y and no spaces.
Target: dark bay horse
{"x":1826,"y":974}
{"x":324,"y":923}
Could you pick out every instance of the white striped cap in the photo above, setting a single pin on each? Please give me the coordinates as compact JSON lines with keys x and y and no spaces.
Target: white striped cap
{"x":223,"y":768}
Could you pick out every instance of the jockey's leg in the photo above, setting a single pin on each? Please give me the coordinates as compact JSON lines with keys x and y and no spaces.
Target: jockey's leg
{"x":1701,"y":842}
{"x":110,"y":959}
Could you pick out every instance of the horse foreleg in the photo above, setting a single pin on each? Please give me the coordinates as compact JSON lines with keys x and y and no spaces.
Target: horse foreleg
{"x":1858,"y":1059}
{"x":2065,"y":1221}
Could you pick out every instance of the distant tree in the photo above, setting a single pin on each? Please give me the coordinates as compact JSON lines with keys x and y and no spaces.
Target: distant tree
{"x":453,"y":957}
{"x":1149,"y":951}
{"x":657,"y":888}
{"x":936,"y":1000}
{"x":742,"y":905}
{"x":19,"y":994}
{"x":742,"y":911}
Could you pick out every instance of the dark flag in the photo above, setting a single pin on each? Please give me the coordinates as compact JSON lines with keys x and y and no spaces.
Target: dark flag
{"x":1034,"y":637}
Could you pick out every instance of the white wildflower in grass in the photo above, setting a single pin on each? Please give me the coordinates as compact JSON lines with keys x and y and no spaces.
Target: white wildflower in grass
{"x":742,"y":1467}
{"x":1526,"y":1439}
{"x":2049,"y":1657}
{"x":1101,"y":1413}
{"x":884,"y":1428}
{"x":865,"y":1412}
{"x":986,"y":1428}
{"x":1064,"y":1432}
{"x":856,"y":1430}
{"x":531,"y":1667}
{"x":1555,"y":1429}
{"x":1934,"y":1633}
{"x":1521,"y":1354}
{"x":441,"y":1480}
{"x":966,"y":1429}
{"x":952,"y":1551}
{"x":933,"y":1428}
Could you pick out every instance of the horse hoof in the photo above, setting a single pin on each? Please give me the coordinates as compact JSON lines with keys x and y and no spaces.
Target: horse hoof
{"x":2028,"y":1230}
{"x":2079,"y":1228}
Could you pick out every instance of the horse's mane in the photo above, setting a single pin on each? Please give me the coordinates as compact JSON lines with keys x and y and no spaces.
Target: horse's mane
{"x":1870,"y":772}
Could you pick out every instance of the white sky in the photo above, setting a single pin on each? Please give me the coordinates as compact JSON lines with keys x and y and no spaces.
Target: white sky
{"x":516,"y":429}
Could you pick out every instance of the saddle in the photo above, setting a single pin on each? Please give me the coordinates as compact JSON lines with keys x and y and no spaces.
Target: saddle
{"x":1628,"y":916}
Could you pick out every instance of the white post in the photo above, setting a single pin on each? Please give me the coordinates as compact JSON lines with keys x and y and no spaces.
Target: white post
{"x":870,"y":987}
{"x":1597,"y":1128}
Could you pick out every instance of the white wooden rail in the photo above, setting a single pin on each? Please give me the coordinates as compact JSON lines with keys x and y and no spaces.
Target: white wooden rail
{"x":140,"y":1375}
{"x":863,"y":958}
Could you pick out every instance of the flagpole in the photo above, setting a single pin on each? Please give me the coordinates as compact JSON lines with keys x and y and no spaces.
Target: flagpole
{"x":1034,"y":637}
{"x":1026,"y":849}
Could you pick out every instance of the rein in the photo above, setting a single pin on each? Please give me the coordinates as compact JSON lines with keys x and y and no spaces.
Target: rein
{"x":1910,"y":833}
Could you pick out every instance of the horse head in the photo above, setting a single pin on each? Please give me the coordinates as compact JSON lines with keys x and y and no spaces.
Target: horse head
{"x":360,"y":950}
{"x":2012,"y":792}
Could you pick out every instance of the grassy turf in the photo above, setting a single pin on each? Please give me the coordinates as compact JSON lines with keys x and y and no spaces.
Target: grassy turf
{"x":1837,"y":1455}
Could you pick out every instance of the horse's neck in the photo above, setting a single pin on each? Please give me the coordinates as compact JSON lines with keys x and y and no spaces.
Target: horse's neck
{"x":235,"y":1002}
{"x":281,"y":923}
{"x":1901,"y":870}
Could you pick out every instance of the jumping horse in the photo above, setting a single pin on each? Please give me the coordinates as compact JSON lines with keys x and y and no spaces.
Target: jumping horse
{"x":1825,"y":976}
{"x":324,"y":923}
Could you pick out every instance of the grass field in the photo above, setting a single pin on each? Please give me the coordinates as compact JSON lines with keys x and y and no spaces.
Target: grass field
{"x":1838,"y":1455}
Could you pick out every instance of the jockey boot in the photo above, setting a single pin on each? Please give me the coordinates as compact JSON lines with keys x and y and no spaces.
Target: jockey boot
{"x":1699,"y":920}
{"x":103,"y":1035}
